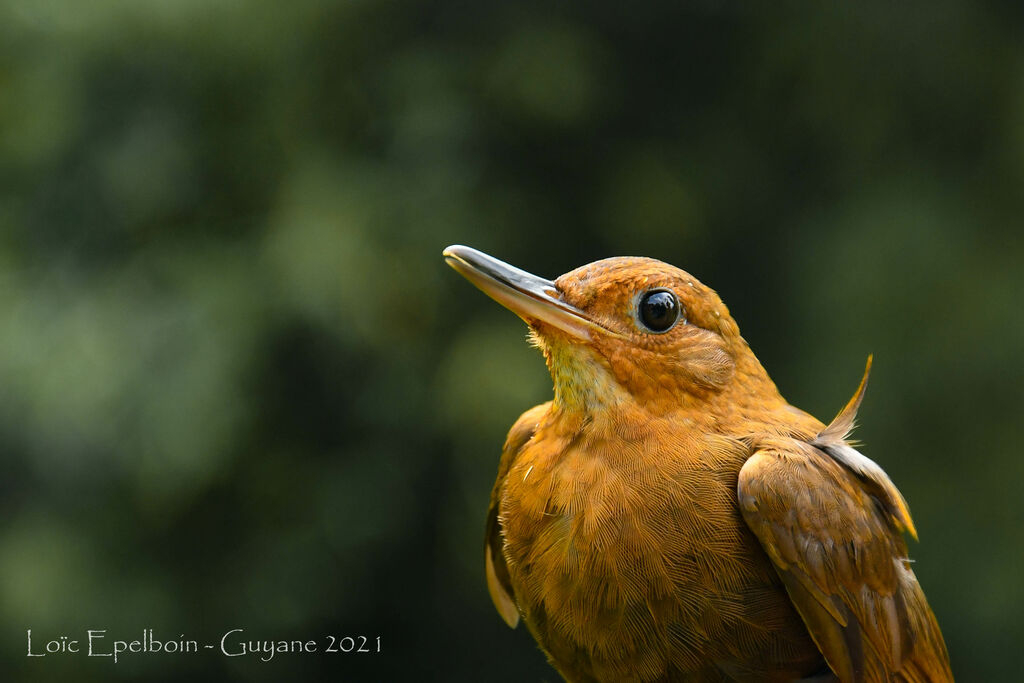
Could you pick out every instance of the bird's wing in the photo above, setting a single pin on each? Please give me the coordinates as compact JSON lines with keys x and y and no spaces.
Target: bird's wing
{"x":831,"y":521}
{"x":498,"y":582}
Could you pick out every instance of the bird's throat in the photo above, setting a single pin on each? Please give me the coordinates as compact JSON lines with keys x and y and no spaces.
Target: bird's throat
{"x":583,"y":382}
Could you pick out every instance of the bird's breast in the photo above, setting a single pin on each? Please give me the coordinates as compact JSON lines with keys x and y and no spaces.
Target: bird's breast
{"x":627,"y":552}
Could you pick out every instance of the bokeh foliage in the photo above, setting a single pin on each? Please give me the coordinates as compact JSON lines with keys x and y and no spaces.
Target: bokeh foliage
{"x":239,"y":388}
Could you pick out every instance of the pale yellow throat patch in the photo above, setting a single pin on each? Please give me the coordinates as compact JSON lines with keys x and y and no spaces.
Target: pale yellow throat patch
{"x":582,"y":378}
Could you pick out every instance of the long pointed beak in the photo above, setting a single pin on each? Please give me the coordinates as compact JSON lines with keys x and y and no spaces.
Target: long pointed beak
{"x":530,"y":297}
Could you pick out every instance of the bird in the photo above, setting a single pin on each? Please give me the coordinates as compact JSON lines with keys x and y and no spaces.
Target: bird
{"x":669,"y":516}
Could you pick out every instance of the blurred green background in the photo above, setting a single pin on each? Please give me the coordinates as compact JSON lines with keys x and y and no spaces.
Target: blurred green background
{"x":239,"y":388}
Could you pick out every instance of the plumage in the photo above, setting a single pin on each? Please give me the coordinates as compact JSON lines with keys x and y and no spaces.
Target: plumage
{"x":668,"y":516}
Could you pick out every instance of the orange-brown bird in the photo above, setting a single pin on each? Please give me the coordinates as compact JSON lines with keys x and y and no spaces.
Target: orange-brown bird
{"x":670,"y":517}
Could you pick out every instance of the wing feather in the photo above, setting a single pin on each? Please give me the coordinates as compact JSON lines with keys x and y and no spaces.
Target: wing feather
{"x":831,"y":521}
{"x":499,"y":584}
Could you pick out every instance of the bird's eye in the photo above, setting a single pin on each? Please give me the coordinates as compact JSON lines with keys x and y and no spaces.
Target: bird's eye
{"x":658,"y":310}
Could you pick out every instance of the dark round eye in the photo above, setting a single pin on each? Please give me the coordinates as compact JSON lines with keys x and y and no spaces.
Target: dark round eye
{"x":659,"y":310}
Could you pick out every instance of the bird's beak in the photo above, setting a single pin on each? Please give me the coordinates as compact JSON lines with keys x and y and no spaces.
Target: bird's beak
{"x":532,"y":298}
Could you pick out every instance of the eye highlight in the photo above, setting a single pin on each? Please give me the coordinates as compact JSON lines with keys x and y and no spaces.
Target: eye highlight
{"x":658,"y":310}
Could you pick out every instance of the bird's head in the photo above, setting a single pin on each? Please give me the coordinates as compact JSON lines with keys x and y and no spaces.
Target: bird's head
{"x":621,"y":329}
